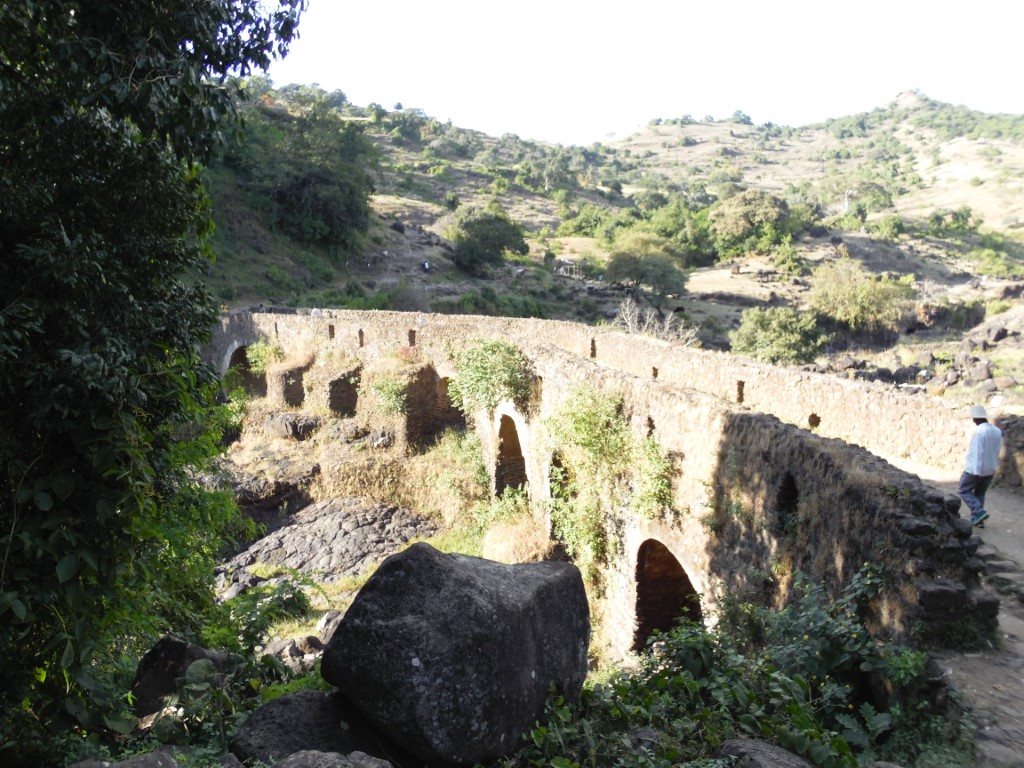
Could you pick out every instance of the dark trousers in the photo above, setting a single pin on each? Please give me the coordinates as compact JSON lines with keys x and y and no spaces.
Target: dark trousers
{"x":972,"y":491}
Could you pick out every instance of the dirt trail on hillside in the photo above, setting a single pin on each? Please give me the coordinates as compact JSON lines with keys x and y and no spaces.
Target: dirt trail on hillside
{"x":992,"y":682}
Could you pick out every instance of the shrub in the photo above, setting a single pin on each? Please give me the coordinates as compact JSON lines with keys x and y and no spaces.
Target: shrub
{"x":890,"y":228}
{"x":260,"y":355}
{"x":481,"y":237}
{"x":846,"y":292}
{"x":803,"y":689}
{"x":392,"y":393}
{"x":777,"y":335}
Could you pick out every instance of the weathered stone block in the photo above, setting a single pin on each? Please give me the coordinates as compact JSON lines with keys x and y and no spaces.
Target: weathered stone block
{"x":453,"y":656}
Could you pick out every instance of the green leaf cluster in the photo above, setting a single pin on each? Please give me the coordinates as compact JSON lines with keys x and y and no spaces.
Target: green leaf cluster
{"x":599,"y":467}
{"x":305,"y":167}
{"x":481,"y":237}
{"x":487,"y":373}
{"x":392,"y":393}
{"x":853,"y":297}
{"x":645,"y":259}
{"x":105,"y":538}
{"x":261,"y":354}
{"x":777,"y":335}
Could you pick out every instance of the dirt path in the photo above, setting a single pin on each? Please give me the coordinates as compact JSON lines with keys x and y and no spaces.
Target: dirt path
{"x":992,"y":682}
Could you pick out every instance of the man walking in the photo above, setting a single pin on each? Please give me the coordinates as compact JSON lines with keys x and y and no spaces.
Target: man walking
{"x":980,"y":465}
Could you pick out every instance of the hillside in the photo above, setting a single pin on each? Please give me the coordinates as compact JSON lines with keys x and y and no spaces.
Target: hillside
{"x":917,"y":190}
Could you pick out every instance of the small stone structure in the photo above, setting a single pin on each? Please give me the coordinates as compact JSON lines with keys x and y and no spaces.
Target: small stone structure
{"x":758,"y":495}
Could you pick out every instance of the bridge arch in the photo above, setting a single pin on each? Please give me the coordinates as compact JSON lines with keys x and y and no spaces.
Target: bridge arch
{"x":510,"y":464}
{"x":237,"y":359}
{"x":664,"y":592}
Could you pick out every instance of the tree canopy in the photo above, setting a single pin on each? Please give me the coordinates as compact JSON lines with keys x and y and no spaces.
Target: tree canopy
{"x":105,"y":109}
{"x":483,"y":236}
{"x":306,"y":168}
{"x":857,"y":299}
{"x":644,"y":259}
{"x":777,"y":335}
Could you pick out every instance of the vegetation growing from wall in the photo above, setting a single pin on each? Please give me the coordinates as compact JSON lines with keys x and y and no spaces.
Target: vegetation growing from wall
{"x":261,"y":355}
{"x":488,"y":373}
{"x":392,"y":394}
{"x":600,"y":468}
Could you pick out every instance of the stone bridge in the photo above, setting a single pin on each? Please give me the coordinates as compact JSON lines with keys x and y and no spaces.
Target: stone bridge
{"x":767,"y":478}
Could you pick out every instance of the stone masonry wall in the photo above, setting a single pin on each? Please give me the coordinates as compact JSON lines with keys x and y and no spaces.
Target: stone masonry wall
{"x":880,"y":417}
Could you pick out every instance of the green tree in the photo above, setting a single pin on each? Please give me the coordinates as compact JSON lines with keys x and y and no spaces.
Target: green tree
{"x":645,"y":260}
{"x":777,"y":335}
{"x":307,"y":168}
{"x":105,"y":107}
{"x":482,"y":237}
{"x":740,"y":221}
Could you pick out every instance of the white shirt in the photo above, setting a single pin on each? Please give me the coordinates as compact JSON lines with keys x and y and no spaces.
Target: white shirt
{"x":983,"y":453}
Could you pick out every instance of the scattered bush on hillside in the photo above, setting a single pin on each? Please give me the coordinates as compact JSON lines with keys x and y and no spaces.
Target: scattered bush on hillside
{"x":889,"y":228}
{"x":752,"y":219}
{"x":859,"y":300}
{"x":308,"y":167}
{"x":777,"y":335}
{"x":787,"y":258}
{"x":998,"y":256}
{"x":945,"y":223}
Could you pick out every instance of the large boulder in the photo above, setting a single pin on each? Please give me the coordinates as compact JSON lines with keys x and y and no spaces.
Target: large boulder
{"x":758,"y":754}
{"x":313,"y":759}
{"x":333,"y":539}
{"x":453,"y":656}
{"x":156,"y":677}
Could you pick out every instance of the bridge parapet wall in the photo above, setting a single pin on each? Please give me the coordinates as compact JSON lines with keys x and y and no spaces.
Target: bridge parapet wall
{"x":756,"y":499}
{"x":882,"y":418}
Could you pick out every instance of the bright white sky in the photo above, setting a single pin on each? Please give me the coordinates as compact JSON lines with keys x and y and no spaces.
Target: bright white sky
{"x":574,"y":72}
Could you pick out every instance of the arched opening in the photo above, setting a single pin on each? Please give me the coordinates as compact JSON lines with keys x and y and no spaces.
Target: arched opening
{"x":654,"y":373}
{"x":787,"y":506}
{"x":664,"y":593}
{"x":593,"y":347}
{"x":343,"y":394}
{"x":510,"y":471}
{"x":254,"y":384}
{"x":739,"y":391}
{"x":362,"y":338}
